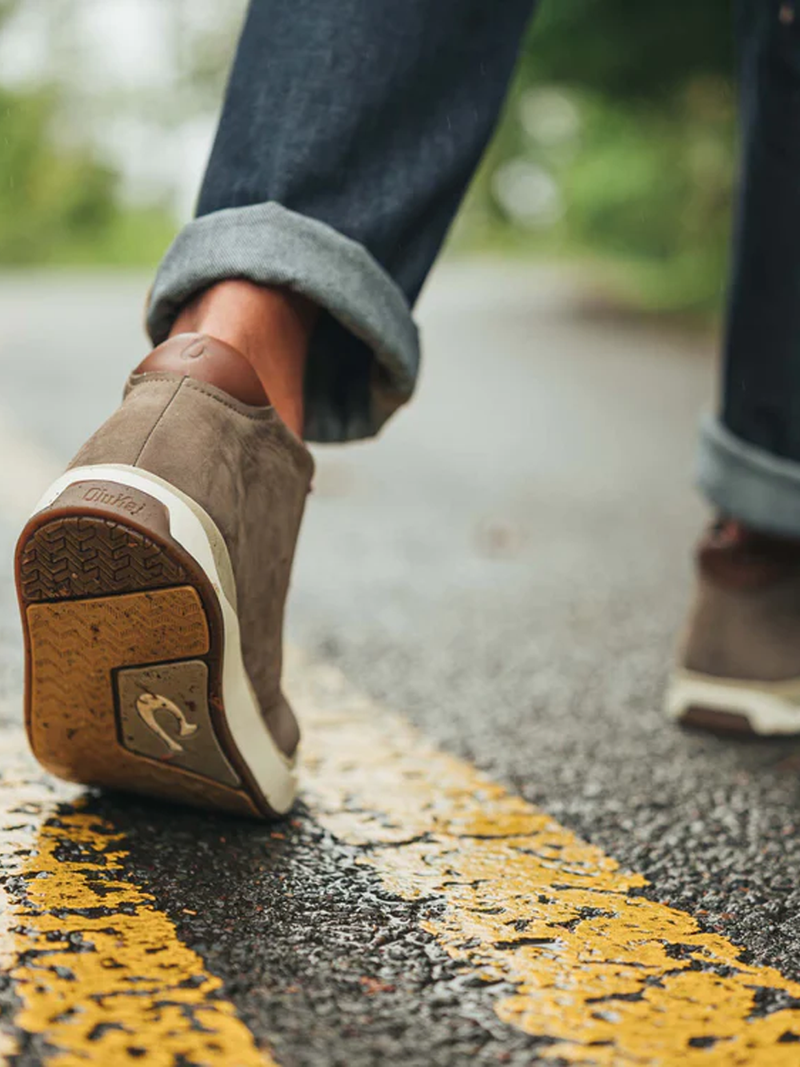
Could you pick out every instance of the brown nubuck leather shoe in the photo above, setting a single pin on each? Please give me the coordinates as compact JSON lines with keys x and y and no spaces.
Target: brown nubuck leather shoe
{"x":739,"y":666}
{"x":152,"y":579}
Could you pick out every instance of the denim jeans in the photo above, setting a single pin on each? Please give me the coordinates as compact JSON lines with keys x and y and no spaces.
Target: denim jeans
{"x":348,"y":136}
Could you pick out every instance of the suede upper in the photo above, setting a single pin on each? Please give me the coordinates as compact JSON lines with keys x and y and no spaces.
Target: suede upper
{"x":746,"y":619}
{"x":250,"y":474}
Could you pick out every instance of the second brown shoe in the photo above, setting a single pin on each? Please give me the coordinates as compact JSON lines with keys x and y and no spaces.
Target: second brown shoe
{"x":152,"y":579}
{"x":739,"y":666}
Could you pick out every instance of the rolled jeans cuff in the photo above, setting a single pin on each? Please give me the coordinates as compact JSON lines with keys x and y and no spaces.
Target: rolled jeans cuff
{"x":747,"y":483}
{"x":364,"y":359}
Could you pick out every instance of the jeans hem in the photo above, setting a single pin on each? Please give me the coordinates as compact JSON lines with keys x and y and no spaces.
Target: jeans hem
{"x":271,"y":245}
{"x":747,"y":483}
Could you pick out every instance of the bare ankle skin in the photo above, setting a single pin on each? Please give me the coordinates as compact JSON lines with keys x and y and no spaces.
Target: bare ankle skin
{"x":270,"y":327}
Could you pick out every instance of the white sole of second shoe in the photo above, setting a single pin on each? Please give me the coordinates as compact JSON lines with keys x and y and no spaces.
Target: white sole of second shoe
{"x":719,"y":704}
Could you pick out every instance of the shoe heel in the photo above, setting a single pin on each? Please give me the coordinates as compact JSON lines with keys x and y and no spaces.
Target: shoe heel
{"x":123,"y":637}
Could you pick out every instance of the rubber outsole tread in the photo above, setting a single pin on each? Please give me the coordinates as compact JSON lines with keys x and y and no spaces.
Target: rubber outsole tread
{"x":73,"y":557}
{"x":99,"y":597}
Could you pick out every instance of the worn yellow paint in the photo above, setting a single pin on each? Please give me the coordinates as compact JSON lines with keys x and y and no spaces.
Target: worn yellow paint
{"x":97,"y":968}
{"x":612,"y":977}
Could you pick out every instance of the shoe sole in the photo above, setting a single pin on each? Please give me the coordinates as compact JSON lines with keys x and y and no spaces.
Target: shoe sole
{"x":134,"y":676}
{"x":727,"y":706}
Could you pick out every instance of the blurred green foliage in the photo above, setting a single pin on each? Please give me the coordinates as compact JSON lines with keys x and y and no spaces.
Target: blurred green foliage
{"x":617,"y":144}
{"x":60,"y":204}
{"x":631,"y":49}
{"x":642,"y":177}
{"x":60,"y":200}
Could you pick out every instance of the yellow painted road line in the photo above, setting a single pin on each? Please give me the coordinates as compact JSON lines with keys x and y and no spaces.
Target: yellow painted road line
{"x":98,"y":970}
{"x":611,"y":977}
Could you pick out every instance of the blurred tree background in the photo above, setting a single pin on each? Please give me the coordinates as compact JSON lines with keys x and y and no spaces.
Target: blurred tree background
{"x":617,"y":144}
{"x":106,"y":112}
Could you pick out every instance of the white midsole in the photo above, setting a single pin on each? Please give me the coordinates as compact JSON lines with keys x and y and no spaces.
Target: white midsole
{"x":769,"y":710}
{"x":197,"y":533}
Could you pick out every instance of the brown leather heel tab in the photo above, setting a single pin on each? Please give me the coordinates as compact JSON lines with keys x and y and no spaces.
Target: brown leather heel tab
{"x":734,"y":557}
{"x":195,"y":355}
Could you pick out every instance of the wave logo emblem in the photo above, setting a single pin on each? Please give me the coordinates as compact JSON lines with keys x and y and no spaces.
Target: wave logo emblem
{"x":149,"y":703}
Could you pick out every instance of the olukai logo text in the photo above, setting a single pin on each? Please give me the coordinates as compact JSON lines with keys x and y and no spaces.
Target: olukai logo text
{"x":121,"y":500}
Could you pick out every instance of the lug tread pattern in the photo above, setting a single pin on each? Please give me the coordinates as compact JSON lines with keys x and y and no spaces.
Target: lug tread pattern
{"x":77,"y":557}
{"x":75,"y":648}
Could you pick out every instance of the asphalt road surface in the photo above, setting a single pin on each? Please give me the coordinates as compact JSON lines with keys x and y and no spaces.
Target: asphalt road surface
{"x":503,"y":852}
